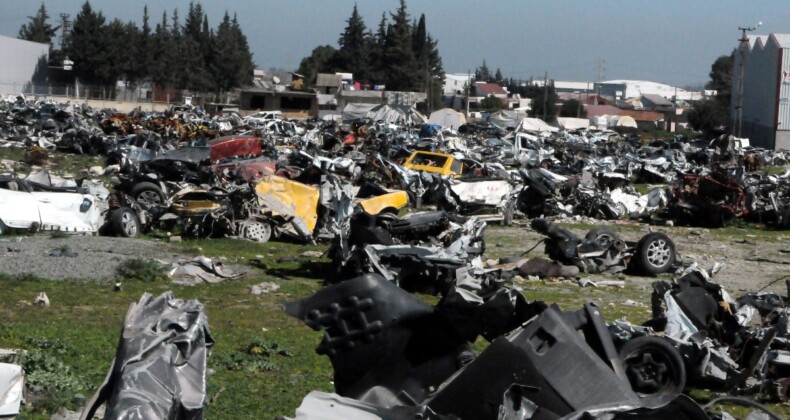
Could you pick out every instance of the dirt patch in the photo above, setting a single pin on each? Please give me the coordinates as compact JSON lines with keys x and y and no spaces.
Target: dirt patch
{"x":751,"y":260}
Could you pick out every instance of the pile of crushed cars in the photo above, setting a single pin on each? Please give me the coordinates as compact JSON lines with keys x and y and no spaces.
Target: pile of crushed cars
{"x":394,"y":356}
{"x":220,"y":175}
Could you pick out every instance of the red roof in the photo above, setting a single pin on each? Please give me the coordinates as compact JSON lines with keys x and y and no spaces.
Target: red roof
{"x":485,"y":89}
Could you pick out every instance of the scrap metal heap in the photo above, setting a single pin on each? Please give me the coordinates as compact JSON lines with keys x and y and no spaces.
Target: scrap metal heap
{"x":395,"y":356}
{"x":477,"y":170}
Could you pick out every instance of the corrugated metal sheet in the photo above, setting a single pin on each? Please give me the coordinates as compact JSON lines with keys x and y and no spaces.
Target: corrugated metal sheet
{"x":783,"y":114}
{"x":783,"y":40}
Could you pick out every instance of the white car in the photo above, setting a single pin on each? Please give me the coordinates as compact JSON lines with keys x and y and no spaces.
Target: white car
{"x":263,"y":117}
{"x":31,"y":205}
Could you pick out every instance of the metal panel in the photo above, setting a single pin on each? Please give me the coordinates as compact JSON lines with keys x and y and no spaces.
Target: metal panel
{"x":783,"y":114}
{"x":18,"y":60}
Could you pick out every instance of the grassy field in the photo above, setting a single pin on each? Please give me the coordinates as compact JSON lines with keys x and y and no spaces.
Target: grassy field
{"x":77,"y":336}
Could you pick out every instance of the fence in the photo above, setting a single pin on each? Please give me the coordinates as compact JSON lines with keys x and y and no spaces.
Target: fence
{"x":140,"y":95}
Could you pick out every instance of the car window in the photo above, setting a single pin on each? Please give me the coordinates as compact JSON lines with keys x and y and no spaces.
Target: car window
{"x":456,"y":166}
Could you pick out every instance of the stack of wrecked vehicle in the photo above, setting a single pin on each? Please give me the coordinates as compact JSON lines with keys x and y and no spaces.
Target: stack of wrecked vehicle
{"x":395,"y":356}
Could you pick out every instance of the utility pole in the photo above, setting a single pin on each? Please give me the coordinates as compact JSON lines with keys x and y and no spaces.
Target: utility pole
{"x":468,"y":89}
{"x":65,"y":29}
{"x":742,"y":47}
{"x":545,"y":93}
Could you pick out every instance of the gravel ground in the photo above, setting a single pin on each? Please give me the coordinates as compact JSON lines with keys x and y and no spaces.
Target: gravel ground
{"x":97,"y":256}
{"x":749,"y":263}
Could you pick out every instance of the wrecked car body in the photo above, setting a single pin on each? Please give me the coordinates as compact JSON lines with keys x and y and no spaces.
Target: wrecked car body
{"x":603,"y":250}
{"x":393,"y":354}
{"x":36,"y":203}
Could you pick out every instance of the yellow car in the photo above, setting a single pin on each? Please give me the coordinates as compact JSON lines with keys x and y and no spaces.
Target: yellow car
{"x":389,"y":202}
{"x":438,"y":163}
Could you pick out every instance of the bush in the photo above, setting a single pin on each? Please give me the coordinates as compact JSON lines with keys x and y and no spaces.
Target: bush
{"x":141,"y":269}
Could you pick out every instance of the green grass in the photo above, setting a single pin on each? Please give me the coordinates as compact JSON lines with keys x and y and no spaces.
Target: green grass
{"x":81,"y":328}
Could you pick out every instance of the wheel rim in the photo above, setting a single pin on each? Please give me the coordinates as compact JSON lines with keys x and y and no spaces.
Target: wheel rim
{"x":129,"y":224}
{"x":257,"y":231}
{"x":149,"y":197}
{"x":658,"y":253}
{"x":648,"y":372}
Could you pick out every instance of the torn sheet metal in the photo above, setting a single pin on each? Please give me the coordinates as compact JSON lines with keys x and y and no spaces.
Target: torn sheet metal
{"x":64,"y":211}
{"x":159,"y":370}
{"x":290,"y":198}
{"x":12,"y":383}
{"x":200,"y":270}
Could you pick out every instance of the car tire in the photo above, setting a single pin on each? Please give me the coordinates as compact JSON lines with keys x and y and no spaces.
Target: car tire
{"x":124,"y":223}
{"x":653,"y":367}
{"x":655,"y":254}
{"x":148,"y":194}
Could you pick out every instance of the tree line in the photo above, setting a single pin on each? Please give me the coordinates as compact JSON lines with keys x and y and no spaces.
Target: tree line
{"x":400,"y":55}
{"x":189,"y":55}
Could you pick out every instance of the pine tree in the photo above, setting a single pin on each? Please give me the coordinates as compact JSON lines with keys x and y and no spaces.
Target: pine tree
{"x":88,"y":48}
{"x":353,"y":54}
{"x":193,"y":46}
{"x":399,"y":61}
{"x":482,"y":73}
{"x":379,"y":45}
{"x":161,"y":47}
{"x":38,"y":30}
{"x":243,"y":55}
{"x":145,"y":48}
{"x":498,"y":77}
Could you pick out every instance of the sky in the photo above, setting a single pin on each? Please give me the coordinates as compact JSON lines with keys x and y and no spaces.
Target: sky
{"x":666,"y":41}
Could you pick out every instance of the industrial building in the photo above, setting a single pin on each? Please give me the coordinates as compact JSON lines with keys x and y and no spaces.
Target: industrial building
{"x":619,"y":90}
{"x":762,"y":62}
{"x":18,"y":61}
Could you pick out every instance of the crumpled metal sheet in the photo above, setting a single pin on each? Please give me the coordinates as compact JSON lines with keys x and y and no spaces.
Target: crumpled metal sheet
{"x":159,"y":370}
{"x":12,"y":380}
{"x":200,"y":270}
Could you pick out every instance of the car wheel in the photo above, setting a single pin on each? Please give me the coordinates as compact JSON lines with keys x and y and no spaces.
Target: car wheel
{"x":655,"y":253}
{"x":654,"y":368}
{"x":148,"y":194}
{"x":256,"y":231}
{"x":124,"y":222}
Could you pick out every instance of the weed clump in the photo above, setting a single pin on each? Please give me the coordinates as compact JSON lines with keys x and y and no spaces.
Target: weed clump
{"x":256,"y":356}
{"x":141,"y":269}
{"x":50,"y":383}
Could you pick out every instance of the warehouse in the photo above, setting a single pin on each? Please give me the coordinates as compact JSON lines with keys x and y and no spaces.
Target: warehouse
{"x":18,"y":61}
{"x":764,"y":95}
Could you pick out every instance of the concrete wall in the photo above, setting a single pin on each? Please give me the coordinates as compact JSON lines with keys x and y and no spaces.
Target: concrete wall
{"x":18,"y":60}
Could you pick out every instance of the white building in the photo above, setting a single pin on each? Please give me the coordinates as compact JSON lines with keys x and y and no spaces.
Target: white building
{"x":766,"y":91}
{"x":561,"y":86}
{"x":18,"y":60}
{"x":456,"y":83}
{"x":620,"y":90}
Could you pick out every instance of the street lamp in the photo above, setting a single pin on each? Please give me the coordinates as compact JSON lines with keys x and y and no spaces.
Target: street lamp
{"x":744,"y":42}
